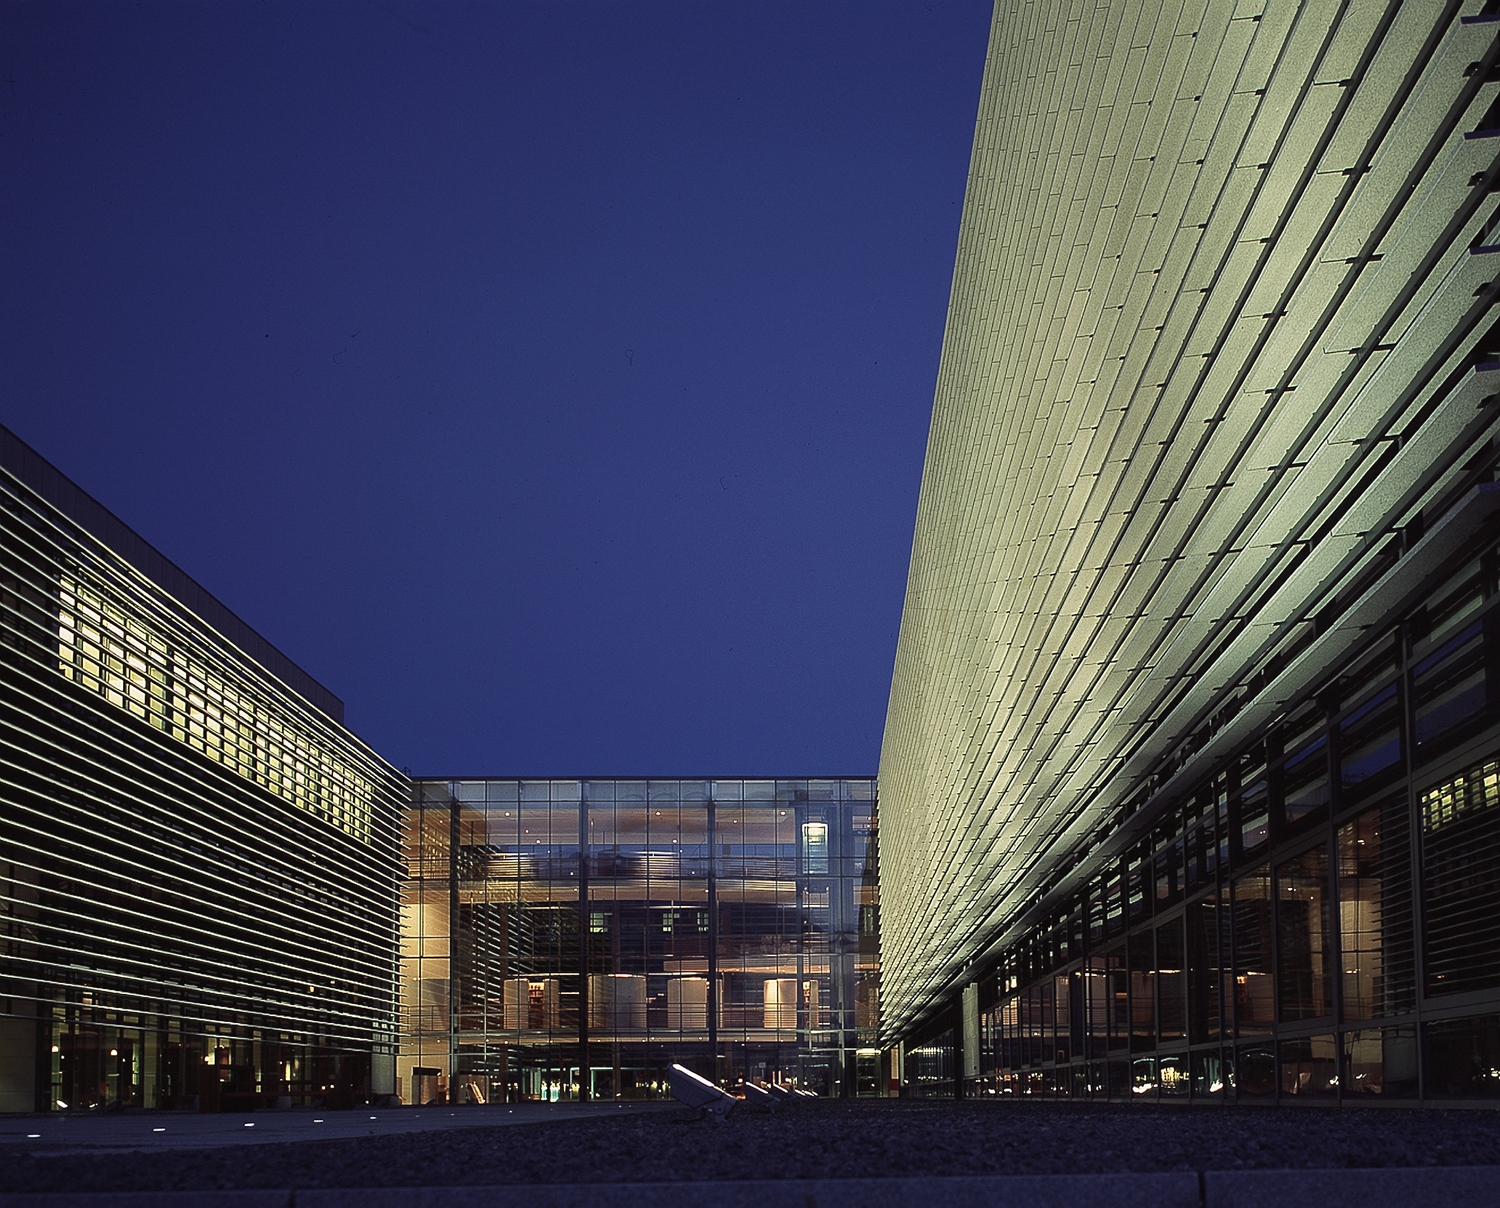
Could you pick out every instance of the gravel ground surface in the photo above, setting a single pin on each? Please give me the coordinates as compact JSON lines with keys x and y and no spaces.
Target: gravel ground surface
{"x":815,"y":1140}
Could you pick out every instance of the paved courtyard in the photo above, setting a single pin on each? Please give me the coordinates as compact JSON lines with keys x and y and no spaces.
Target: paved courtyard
{"x":155,"y":1131}
{"x":556,"y":1144}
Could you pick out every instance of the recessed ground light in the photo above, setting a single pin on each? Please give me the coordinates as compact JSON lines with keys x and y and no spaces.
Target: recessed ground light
{"x":317,"y":1121}
{"x":158,"y":1130}
{"x":33,"y":1136}
{"x":249,"y":1126}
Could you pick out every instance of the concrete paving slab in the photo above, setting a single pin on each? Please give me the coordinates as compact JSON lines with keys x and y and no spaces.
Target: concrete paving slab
{"x":152,"y":1199}
{"x":1420,"y":1187}
{"x":1385,"y":1187}
{"x":1315,"y":1157}
{"x":1015,"y":1191}
{"x":1179,"y":1190}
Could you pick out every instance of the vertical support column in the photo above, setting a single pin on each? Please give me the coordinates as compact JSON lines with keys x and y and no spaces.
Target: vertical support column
{"x":802,"y":1021}
{"x":44,"y":1033}
{"x":1414,"y":845}
{"x":956,"y":1022}
{"x":454,"y":988}
{"x":713,"y":936}
{"x":583,"y":948}
{"x":151,"y":1064}
{"x":966,"y":1054}
{"x":1334,"y":955}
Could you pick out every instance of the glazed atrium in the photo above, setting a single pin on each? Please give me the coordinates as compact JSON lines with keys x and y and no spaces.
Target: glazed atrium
{"x":1190,"y":782}
{"x":568,"y":939}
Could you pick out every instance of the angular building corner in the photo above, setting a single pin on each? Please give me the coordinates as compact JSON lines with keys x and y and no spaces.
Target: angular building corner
{"x":1190,"y":785}
{"x":199,"y":864}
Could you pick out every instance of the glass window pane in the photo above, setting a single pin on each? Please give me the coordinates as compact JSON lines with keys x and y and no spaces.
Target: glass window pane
{"x":1375,"y":912}
{"x":1305,"y":980}
{"x":1169,"y":875}
{"x":1304,"y":782}
{"x":1203,"y":968}
{"x":631,"y":826}
{"x":1255,"y":1072}
{"x":1142,"y":991}
{"x":1114,"y":900}
{"x":1309,"y":1068}
{"x":1143,"y":1078}
{"x":1252,"y":953}
{"x":1208,"y":1076}
{"x":1448,"y":688}
{"x":1462,"y":1057}
{"x":1172,"y":1075}
{"x":1117,"y":990}
{"x":1380,"y":665}
{"x":502,"y":826}
{"x":536,"y":826}
{"x":1382,"y":1062}
{"x":1171,"y":984}
{"x":1254,"y":810}
{"x":1137,"y":895}
{"x":1370,"y":746}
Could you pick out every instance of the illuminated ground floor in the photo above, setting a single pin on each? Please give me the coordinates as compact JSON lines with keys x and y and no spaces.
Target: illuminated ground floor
{"x":631,"y":1070}
{"x":1310,"y":914}
{"x":86,"y":1058}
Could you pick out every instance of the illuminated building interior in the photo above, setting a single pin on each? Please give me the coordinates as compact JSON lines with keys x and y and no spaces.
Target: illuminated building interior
{"x":607,"y":928}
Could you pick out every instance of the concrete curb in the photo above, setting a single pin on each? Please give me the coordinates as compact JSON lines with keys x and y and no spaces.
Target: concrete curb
{"x":1363,"y":1187}
{"x":1176,"y":1190}
{"x":1173,"y":1190}
{"x":1396,"y":1187}
{"x":148,"y":1199}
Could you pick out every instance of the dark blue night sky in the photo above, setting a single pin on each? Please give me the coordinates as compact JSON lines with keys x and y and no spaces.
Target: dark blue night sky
{"x":552,"y":382}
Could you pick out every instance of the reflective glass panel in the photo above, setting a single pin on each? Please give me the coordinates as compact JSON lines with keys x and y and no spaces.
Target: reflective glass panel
{"x":1381,"y":1061}
{"x":1370,"y":746}
{"x":1171,"y":984}
{"x":1251,"y":910}
{"x":1204,"y":972}
{"x":1304,"y":951}
{"x":1375,"y":912}
{"x":1309,"y":1067}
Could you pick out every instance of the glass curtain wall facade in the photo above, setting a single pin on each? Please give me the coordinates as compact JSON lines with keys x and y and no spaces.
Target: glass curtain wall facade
{"x":1317,"y":919}
{"x":568,"y":939}
{"x":198,"y":863}
{"x":1189,"y":771}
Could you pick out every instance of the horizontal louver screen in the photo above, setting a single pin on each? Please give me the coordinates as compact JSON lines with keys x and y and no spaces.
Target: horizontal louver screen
{"x":1461,"y":880}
